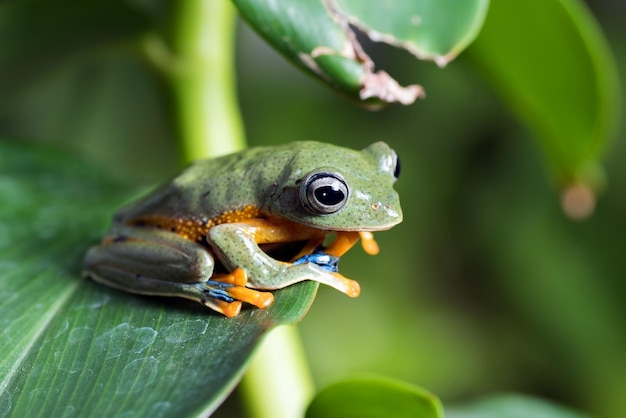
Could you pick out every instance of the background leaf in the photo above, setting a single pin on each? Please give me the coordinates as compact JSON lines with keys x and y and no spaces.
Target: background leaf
{"x":374,"y":397}
{"x":72,"y":347}
{"x":512,"y":406}
{"x":550,"y":62}
{"x":430,"y":30}
{"x":316,"y":36}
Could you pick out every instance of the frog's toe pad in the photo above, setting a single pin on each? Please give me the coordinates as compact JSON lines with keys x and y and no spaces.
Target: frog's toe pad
{"x":347,"y":286}
{"x":228,"y":309}
{"x":370,"y":246}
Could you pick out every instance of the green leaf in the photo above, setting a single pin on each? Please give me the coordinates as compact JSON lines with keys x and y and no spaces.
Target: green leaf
{"x":431,"y":30}
{"x":512,"y":406}
{"x":318,"y":36}
{"x":374,"y":397}
{"x":73,"y":347}
{"x":549,"y":60}
{"x":45,"y":34}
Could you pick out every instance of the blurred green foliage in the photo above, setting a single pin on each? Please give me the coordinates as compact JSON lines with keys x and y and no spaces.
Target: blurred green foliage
{"x":486,"y":286}
{"x":373,"y":397}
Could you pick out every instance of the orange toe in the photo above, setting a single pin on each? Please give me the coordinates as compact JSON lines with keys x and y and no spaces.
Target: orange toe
{"x":368,"y":243}
{"x":253,"y":297}
{"x":229,"y":309}
{"x":238,"y":277}
{"x":342,"y":243}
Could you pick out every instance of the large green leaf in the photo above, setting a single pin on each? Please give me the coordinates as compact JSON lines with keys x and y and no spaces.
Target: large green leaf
{"x":71,"y":347}
{"x":374,"y":397}
{"x":318,"y":36}
{"x":549,"y":60}
{"x":432,"y":30}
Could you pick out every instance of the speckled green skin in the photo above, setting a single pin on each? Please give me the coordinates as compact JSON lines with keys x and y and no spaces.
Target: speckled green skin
{"x":152,"y":261}
{"x":267,"y":177}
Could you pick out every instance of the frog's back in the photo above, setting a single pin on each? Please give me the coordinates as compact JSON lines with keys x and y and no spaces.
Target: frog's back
{"x":208,"y":188}
{"x":265,"y":181}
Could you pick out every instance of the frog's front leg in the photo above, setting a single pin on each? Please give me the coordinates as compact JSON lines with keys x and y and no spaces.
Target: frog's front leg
{"x":157,"y":262}
{"x":237,"y":246}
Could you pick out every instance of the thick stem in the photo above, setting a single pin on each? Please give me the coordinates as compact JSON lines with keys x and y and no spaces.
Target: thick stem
{"x":278,"y":382}
{"x":201,"y":71}
{"x":203,"y":78}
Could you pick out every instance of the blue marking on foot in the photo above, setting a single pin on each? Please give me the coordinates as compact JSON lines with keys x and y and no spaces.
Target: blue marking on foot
{"x":217,"y":290}
{"x":221,"y":295}
{"x":319,"y":257}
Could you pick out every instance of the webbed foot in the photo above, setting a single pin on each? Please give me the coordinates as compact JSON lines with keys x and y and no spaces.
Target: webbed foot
{"x":329,"y":275}
{"x":226,"y":293}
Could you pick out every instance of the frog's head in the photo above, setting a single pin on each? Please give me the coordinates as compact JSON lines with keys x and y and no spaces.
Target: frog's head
{"x":335,"y":188}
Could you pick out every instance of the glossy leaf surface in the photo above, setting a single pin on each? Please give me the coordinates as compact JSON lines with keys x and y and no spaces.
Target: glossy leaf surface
{"x":72,"y":347}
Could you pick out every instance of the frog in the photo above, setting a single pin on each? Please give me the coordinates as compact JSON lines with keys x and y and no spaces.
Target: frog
{"x":232,"y":229}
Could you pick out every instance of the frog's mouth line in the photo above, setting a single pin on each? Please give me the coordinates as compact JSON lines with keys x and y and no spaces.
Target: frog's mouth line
{"x":357,"y":229}
{"x":393,"y":217}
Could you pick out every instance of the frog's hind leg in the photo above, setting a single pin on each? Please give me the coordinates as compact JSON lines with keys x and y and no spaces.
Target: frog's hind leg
{"x":161,"y":263}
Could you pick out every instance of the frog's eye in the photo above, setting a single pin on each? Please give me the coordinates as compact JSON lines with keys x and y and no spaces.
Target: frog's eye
{"x":324,"y":192}
{"x":396,"y":170}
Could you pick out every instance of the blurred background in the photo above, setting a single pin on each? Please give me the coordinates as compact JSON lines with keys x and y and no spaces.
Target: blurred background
{"x":486,"y":287}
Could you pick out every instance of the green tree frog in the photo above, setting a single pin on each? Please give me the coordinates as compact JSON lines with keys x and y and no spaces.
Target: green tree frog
{"x":229,"y":229}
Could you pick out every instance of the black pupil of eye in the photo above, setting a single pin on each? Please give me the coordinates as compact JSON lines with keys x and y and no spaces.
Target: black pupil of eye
{"x":329,"y":195}
{"x":396,"y":172}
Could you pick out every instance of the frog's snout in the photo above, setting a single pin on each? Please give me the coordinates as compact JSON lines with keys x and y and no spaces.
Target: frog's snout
{"x":386,"y":215}
{"x":396,"y":215}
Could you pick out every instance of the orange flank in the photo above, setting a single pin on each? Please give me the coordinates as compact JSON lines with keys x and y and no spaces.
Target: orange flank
{"x":281,"y":230}
{"x":195,"y":229}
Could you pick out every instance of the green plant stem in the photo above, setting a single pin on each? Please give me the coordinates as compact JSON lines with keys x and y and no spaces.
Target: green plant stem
{"x":202,"y":75}
{"x":203,"y":79}
{"x":278,"y":382}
